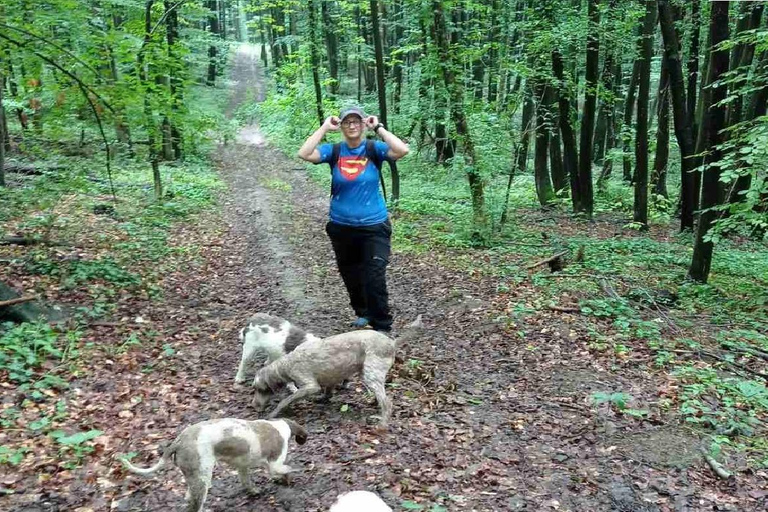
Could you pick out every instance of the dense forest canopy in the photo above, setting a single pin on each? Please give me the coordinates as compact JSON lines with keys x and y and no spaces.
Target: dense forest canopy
{"x":671,"y":93}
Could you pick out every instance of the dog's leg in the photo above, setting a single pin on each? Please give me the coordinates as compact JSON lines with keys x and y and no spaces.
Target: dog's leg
{"x":374,"y":378}
{"x":299,"y":394}
{"x":197,"y":490}
{"x":248,"y":351}
{"x":245,"y":479}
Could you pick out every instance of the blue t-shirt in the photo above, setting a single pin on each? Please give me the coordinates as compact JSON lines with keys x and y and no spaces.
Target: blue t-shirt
{"x":355,"y":196}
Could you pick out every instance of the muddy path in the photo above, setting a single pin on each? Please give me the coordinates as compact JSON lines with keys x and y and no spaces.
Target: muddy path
{"x":485,"y":418}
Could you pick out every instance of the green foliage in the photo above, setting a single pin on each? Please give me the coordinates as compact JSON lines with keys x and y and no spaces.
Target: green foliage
{"x":74,"y":447}
{"x":730,"y":406}
{"x":13,"y":456}
{"x":24,"y":348}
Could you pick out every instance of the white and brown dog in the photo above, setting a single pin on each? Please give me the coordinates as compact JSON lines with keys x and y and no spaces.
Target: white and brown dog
{"x":321,"y":364}
{"x":242,"y":444}
{"x":270,"y":335}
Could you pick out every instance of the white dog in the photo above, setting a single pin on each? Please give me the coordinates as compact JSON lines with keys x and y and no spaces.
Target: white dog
{"x":240,"y":443}
{"x":270,"y":335}
{"x":357,"y":501}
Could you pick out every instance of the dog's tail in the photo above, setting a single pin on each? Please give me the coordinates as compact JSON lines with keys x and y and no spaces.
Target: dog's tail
{"x":168,"y":454}
{"x":299,"y":432}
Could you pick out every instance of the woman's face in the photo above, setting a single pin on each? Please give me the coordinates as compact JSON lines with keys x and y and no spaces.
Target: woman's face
{"x":352,"y":127}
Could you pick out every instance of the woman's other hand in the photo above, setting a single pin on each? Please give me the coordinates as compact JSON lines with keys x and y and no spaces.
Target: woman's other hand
{"x":332,"y":124}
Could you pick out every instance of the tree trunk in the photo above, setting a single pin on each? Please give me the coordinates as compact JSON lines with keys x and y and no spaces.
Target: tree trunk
{"x":526,"y":129}
{"x":213,"y":23}
{"x":380,"y":84}
{"x":493,"y":54}
{"x":660,"y":161}
{"x":757,"y":108}
{"x":590,"y":103}
{"x":692,"y":66}
{"x":741,"y":58}
{"x":315,"y":59}
{"x":570,"y":155}
{"x":713,"y":122}
{"x":264,"y":43}
{"x":606,"y":108}
{"x":559,"y":178}
{"x":2,"y":130}
{"x":682,"y":116}
{"x":397,"y":67}
{"x":175,"y":82}
{"x":541,"y":149}
{"x":455,"y":89}
{"x":641,"y":135}
{"x":629,"y":108}
{"x":382,"y":91}
{"x":332,"y":47}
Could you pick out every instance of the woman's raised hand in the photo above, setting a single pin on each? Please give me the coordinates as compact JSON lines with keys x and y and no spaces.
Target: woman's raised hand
{"x":332,"y":123}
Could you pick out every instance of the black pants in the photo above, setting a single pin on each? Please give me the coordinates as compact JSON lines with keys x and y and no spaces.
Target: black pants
{"x":362,"y":255}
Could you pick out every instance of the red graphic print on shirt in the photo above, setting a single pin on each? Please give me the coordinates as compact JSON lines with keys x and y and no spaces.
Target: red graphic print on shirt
{"x":352,"y":166}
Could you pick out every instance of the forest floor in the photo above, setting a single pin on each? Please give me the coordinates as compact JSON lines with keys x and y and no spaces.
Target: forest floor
{"x":483,"y":419}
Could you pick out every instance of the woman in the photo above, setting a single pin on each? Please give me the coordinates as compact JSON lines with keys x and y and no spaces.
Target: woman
{"x":358,"y":225}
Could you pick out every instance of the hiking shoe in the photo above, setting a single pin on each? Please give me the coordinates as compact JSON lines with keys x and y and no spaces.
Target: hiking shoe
{"x":361,"y":323}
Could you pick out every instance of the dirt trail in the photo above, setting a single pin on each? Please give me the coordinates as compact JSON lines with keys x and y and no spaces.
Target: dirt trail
{"x":483,"y":420}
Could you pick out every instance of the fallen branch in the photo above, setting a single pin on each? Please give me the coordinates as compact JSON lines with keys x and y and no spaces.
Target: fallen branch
{"x":716,"y":466}
{"x":23,"y":240}
{"x":564,"y":309}
{"x":18,"y":300}
{"x":548,"y":260}
{"x":722,"y":359}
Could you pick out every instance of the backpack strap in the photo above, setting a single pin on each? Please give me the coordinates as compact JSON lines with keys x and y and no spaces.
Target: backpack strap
{"x":370,"y":150}
{"x":335,"y":151}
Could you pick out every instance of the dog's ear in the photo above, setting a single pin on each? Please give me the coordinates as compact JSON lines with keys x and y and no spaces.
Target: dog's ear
{"x":299,"y":432}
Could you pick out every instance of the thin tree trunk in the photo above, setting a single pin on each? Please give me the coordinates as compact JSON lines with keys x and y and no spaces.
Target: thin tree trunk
{"x":397,"y":67}
{"x":641,"y":135}
{"x":264,"y":43}
{"x":660,"y":161}
{"x":332,"y":47}
{"x":590,"y":103}
{"x":493,"y":54}
{"x":712,"y":123}
{"x":175,"y":82}
{"x":315,"y":59}
{"x":570,"y":154}
{"x":526,"y":129}
{"x":629,"y":108}
{"x":559,"y":178}
{"x":213,"y":23}
{"x":456,"y":92}
{"x":540,"y":173}
{"x":692,"y":65}
{"x":606,"y":108}
{"x":2,"y":129}
{"x":741,"y":58}
{"x":756,"y":108}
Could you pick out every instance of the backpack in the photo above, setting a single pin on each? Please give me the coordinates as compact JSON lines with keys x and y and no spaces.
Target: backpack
{"x":370,"y":152}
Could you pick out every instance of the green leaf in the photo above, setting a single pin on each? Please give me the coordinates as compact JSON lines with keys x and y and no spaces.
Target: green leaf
{"x":79,"y":438}
{"x":411,"y":505}
{"x":40,"y":424}
{"x":344,"y":408}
